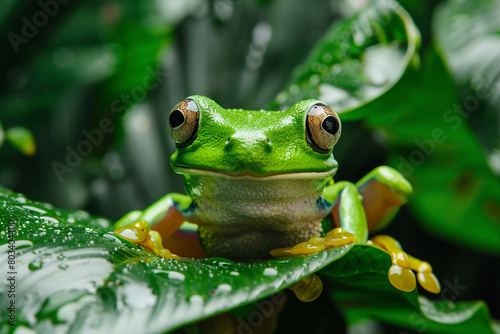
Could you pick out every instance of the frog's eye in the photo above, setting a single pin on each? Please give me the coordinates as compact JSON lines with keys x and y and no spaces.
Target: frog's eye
{"x":322,"y":128}
{"x":183,"y":122}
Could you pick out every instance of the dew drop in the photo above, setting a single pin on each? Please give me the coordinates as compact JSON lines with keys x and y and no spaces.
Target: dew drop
{"x":224,"y":287}
{"x":23,"y":244}
{"x":112,"y":237}
{"x":35,"y":265}
{"x":196,"y":299}
{"x":224,"y":264}
{"x":270,"y":272}
{"x":176,"y":276}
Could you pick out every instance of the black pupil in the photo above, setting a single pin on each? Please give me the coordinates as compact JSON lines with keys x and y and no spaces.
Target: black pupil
{"x":330,"y":125}
{"x":176,"y":118}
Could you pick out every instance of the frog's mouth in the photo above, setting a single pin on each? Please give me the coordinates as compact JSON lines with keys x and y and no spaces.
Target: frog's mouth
{"x":250,"y":176}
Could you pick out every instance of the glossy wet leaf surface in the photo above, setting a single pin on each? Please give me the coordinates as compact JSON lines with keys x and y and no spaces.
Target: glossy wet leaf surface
{"x":73,"y":275}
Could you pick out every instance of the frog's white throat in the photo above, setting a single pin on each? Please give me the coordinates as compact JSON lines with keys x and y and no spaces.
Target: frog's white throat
{"x":224,"y":199}
{"x":238,"y":213}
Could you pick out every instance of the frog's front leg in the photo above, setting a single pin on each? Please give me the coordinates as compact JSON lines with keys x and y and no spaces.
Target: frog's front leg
{"x":383,"y":191}
{"x":160,"y":224}
{"x":370,"y":205}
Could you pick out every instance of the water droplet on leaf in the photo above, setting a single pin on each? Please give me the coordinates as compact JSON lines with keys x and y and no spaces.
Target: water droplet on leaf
{"x":35,"y":265}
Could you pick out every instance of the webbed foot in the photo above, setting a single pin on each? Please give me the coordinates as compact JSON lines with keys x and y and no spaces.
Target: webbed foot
{"x":333,"y":239}
{"x":310,"y":288}
{"x":141,"y":234}
{"x":400,"y":274}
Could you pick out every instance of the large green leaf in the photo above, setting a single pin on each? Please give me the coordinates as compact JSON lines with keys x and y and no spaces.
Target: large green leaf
{"x":72,"y":275}
{"x":359,"y":284}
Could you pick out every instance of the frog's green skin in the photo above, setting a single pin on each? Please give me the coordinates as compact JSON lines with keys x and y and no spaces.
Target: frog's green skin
{"x":255,"y":182}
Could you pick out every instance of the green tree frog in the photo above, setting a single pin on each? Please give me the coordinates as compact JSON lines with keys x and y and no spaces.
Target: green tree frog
{"x":261,"y":182}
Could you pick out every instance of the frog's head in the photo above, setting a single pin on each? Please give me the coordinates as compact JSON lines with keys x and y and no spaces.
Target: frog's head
{"x":296,"y":143}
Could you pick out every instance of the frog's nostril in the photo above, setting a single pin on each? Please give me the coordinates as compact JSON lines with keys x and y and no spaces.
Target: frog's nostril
{"x":231,"y":143}
{"x":267,"y":145}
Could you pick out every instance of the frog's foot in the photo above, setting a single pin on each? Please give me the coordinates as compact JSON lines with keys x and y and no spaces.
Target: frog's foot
{"x":310,"y":288}
{"x":140,"y":233}
{"x":400,"y":274}
{"x":333,"y":239}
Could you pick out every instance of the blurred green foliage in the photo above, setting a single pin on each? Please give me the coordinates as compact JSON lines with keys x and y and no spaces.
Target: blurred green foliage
{"x":93,"y":82}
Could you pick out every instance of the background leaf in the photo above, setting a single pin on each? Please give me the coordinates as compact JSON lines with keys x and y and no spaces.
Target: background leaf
{"x":438,"y":152}
{"x":357,"y":61}
{"x":468,"y":34}
{"x":22,"y":139}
